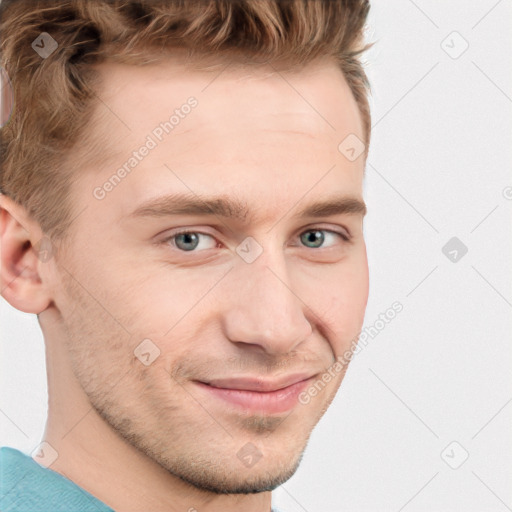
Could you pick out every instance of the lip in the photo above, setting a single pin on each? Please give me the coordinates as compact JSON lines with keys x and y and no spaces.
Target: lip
{"x":256,"y":395}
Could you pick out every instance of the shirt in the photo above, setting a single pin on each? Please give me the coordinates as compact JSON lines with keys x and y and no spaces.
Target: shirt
{"x":25,"y":486}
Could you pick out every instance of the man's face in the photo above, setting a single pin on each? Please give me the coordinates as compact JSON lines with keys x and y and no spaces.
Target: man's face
{"x":227,"y":320}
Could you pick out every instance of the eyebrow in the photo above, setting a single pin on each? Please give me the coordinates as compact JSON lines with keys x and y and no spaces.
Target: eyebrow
{"x":229,"y":207}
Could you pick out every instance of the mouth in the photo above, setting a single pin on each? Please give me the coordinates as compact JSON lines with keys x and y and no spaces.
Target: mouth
{"x":256,"y":395}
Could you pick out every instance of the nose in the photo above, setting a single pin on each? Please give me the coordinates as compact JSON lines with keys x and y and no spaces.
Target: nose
{"x":264,"y":310}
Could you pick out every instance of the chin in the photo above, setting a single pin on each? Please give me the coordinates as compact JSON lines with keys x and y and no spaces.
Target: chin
{"x":258,"y":480}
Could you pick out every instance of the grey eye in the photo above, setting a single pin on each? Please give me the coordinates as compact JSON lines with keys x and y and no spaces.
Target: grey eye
{"x":187,"y":241}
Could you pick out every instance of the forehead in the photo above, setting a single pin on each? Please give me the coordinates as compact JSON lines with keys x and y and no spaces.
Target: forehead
{"x":252,"y":128}
{"x":314,"y":99}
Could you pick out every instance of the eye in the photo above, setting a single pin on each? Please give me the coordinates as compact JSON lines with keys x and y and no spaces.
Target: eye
{"x":315,"y":238}
{"x":191,"y":240}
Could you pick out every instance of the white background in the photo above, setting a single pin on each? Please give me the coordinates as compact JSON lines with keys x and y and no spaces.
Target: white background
{"x":439,"y":167}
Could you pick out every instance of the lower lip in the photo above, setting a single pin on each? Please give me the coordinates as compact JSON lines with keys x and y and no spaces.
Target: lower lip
{"x":270,"y":402}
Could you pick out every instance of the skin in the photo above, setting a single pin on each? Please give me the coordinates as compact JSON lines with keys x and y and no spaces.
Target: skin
{"x":148,"y":437}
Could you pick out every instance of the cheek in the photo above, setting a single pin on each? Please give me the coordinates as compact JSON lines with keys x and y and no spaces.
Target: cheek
{"x":99,"y":339}
{"x":345,"y":297}
{"x":167,"y":300}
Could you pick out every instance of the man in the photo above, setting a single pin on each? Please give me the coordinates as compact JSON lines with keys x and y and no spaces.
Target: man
{"x":182,"y":209}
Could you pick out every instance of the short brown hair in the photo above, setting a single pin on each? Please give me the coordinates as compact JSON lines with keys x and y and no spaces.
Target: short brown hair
{"x":54,"y":96}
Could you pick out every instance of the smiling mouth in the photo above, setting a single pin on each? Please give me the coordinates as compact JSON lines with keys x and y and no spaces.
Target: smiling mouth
{"x":256,"y":395}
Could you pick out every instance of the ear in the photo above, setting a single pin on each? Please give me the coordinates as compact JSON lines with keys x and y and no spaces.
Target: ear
{"x":23,"y":251}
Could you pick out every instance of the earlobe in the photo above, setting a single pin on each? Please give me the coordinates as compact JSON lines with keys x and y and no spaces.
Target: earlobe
{"x":20,"y":263}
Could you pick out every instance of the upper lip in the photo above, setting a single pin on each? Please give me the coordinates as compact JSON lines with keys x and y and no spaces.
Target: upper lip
{"x":259,"y":383}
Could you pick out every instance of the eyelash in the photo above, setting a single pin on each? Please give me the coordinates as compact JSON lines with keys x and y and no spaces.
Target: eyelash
{"x":346,"y":238}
